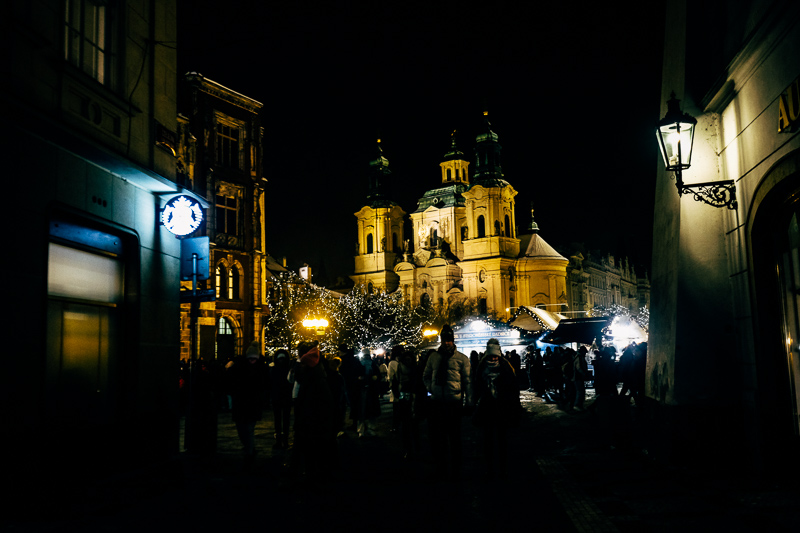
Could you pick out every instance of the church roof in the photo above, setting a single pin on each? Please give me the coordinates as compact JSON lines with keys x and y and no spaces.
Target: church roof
{"x":532,"y":245}
{"x":442,"y":197}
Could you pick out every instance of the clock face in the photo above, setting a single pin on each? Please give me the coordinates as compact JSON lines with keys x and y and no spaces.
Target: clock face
{"x":182,"y":215}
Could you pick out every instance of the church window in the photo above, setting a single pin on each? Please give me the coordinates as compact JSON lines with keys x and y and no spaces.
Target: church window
{"x":434,"y":238}
{"x":369,"y":243}
{"x":449,"y":174}
{"x":508,"y":226}
{"x":464,"y":233}
{"x":482,"y":307}
{"x":425,"y":300}
{"x":481,"y":227}
{"x":370,"y":288}
{"x":394,"y":242}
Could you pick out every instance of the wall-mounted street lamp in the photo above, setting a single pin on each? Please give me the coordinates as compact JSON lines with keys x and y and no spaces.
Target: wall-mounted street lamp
{"x":675,"y":134}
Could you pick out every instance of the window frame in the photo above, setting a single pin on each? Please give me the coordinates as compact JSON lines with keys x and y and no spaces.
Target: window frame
{"x":89,"y":39}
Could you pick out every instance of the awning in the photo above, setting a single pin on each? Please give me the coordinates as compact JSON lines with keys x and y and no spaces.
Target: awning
{"x":535,"y":319}
{"x":582,"y":330}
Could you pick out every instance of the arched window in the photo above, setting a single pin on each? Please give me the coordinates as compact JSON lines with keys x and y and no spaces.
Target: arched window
{"x":221,"y":275}
{"x":394,"y":242}
{"x":508,"y":226}
{"x":425,"y":300}
{"x":481,"y":227}
{"x":370,"y":288}
{"x":449,"y":174}
{"x":233,"y":283}
{"x":369,"y":243}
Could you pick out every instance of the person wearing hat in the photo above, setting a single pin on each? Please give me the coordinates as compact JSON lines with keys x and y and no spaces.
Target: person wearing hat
{"x":247,"y":381}
{"x":497,"y":406}
{"x":447,"y":378}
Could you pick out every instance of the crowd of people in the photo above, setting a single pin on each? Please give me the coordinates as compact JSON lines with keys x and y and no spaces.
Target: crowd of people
{"x":560,"y":375}
{"x":327,"y":395}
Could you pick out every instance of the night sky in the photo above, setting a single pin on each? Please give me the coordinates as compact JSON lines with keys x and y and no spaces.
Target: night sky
{"x":572,"y":91}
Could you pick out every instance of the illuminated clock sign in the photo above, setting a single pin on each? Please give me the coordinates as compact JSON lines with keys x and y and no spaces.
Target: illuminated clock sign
{"x":182,"y":215}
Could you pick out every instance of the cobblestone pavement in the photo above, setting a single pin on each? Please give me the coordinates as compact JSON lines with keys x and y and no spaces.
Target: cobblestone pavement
{"x":566,"y":476}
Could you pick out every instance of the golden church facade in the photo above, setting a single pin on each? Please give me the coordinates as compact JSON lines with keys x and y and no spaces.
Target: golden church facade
{"x":463,"y":244}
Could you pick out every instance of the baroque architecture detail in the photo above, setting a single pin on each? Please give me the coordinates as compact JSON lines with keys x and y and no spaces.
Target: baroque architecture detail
{"x":464,"y":243}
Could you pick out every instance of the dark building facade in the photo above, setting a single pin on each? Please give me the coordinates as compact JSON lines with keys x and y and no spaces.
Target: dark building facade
{"x":89,"y":120}
{"x":723,"y":369}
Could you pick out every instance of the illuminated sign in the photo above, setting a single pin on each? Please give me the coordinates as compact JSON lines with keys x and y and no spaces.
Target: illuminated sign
{"x":182,"y":215}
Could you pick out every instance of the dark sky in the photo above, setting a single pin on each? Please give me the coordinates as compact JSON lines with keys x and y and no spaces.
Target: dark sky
{"x":572,"y":91}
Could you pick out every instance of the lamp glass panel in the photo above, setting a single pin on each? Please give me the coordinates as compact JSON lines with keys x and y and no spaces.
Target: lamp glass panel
{"x":669,"y":139}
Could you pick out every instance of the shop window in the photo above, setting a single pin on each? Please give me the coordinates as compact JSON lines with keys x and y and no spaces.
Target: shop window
{"x":87,"y":38}
{"x":86,"y":282}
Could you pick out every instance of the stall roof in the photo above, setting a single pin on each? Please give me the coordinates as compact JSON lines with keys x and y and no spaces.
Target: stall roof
{"x":582,"y":330}
{"x":535,"y":319}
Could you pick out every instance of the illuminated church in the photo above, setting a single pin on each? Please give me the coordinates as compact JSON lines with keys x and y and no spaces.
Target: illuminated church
{"x":463,"y":243}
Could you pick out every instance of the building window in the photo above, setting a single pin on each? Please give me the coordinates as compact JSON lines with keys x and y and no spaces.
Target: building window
{"x":233,"y":283}
{"x":227,"y":146}
{"x":464,"y":233}
{"x":227,"y":209}
{"x":369,"y":243}
{"x":508,"y":226}
{"x":481,"y":227}
{"x":394,"y":242}
{"x":221,"y":281}
{"x":449,"y":174}
{"x":87,"y":38}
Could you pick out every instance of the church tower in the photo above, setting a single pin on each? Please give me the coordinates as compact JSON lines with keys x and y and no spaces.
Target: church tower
{"x":491,"y":245}
{"x":380,"y":231}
